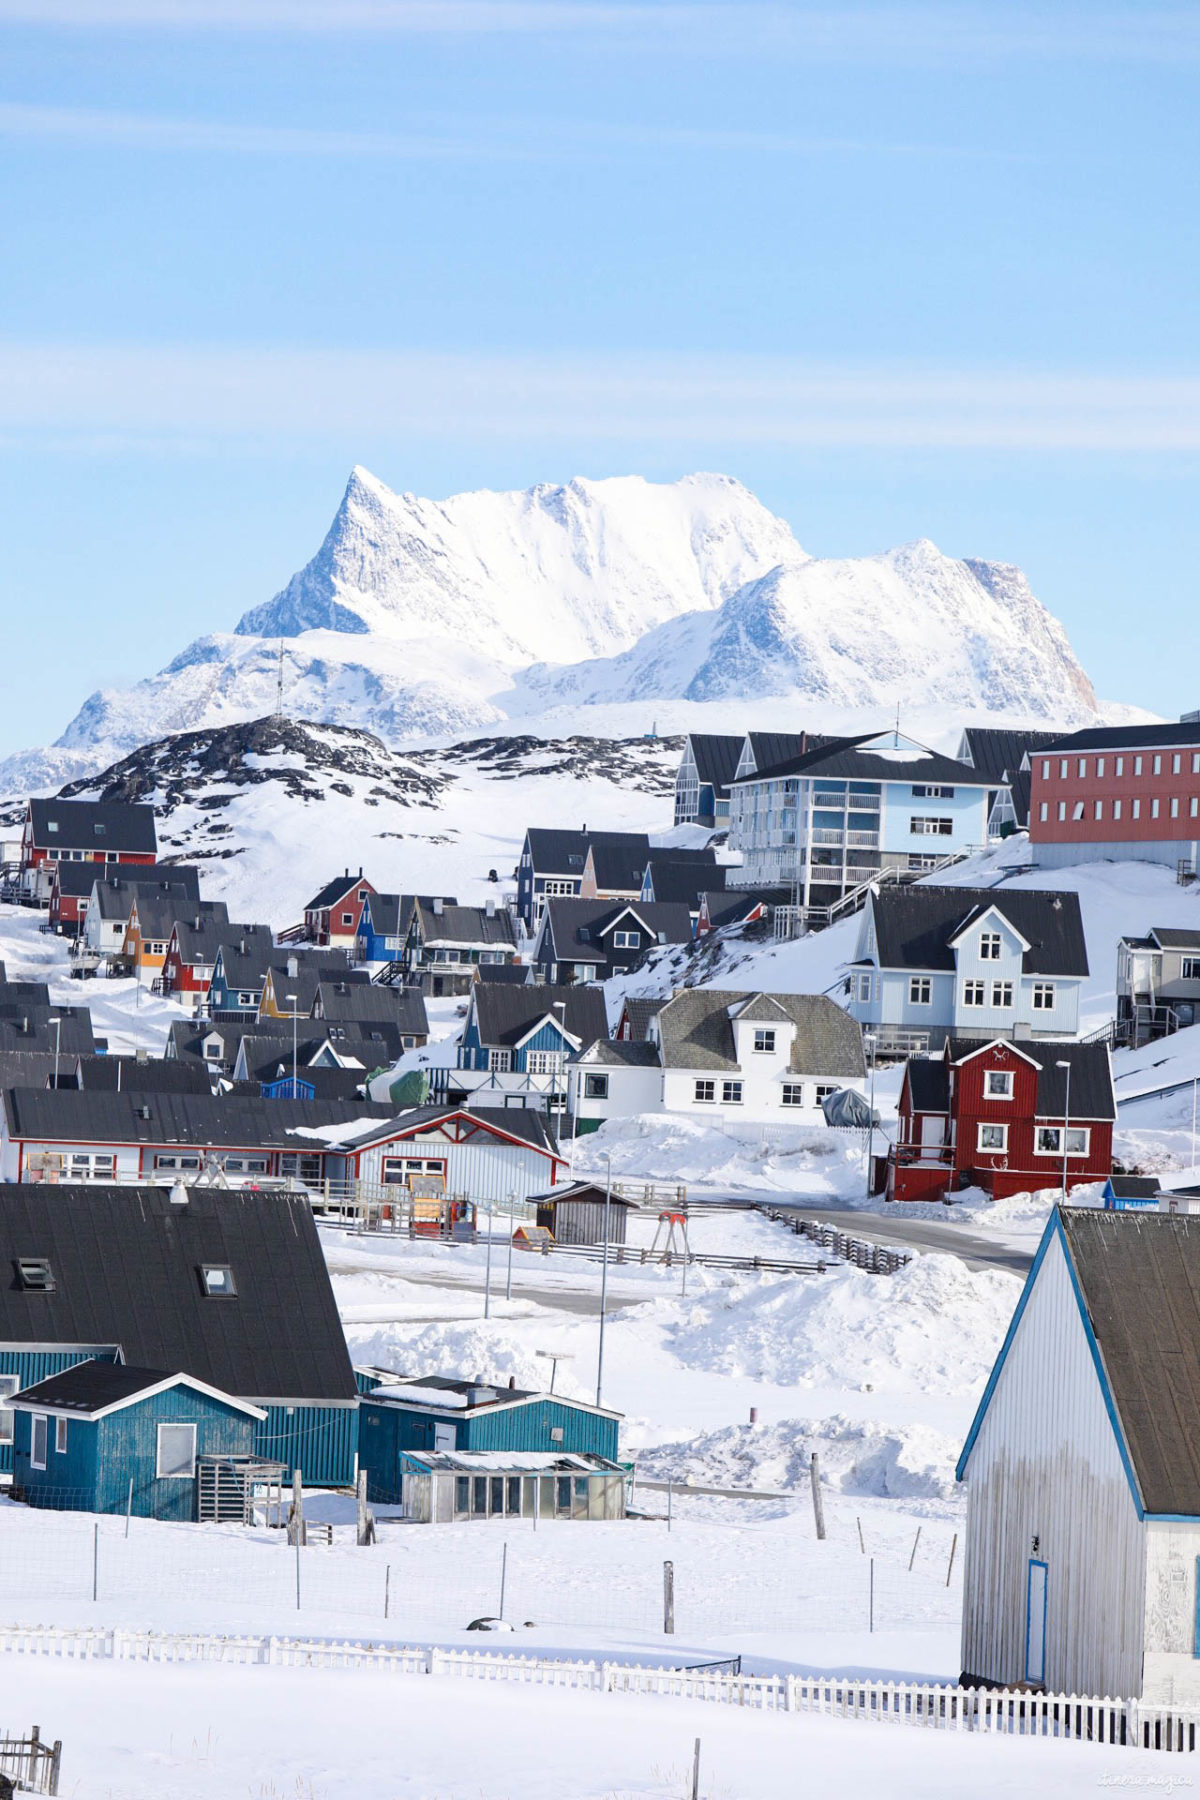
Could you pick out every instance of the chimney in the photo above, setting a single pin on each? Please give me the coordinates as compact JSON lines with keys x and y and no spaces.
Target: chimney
{"x":196,"y":923}
{"x":179,"y":1194}
{"x":491,"y":906}
{"x":293,"y":967}
{"x":242,"y":946}
{"x":437,"y":906}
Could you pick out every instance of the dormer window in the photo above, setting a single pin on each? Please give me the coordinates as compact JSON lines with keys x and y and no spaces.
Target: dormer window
{"x":51,"y":824}
{"x":216,"y":1281}
{"x":627,"y":940}
{"x":35,"y":1274}
{"x":989,"y":946}
{"x":764,"y":1040}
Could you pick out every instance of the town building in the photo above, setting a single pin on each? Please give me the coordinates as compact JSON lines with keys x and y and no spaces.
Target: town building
{"x":447,"y":944}
{"x":575,"y":1213}
{"x":724,"y":1054}
{"x":993,"y":1115}
{"x":515,"y":1044}
{"x":232,"y":1289}
{"x":1124,"y":793}
{"x":590,"y":940}
{"x":486,"y":1154}
{"x":936,"y":962}
{"x":239,"y":970}
{"x":1002,"y":756}
{"x":1158,"y":984}
{"x":384,"y":922}
{"x":83,"y":831}
{"x":836,"y":817}
{"x":552,"y":862}
{"x":1083,"y":1483}
{"x":191,"y":957}
{"x":706,"y":768}
{"x":681,"y":877}
{"x":332,"y":917}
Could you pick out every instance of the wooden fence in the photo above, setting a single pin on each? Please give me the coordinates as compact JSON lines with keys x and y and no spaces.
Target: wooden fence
{"x":926,"y":1705}
{"x":31,"y":1766}
{"x":874,"y":1258}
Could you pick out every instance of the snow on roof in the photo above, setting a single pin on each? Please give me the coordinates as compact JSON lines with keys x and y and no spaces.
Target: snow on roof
{"x":420,"y":1396}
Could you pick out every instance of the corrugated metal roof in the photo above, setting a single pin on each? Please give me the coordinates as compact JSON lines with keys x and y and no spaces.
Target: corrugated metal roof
{"x":915,"y":925}
{"x":106,"y":825}
{"x":504,"y":1015}
{"x":69,"y":1115}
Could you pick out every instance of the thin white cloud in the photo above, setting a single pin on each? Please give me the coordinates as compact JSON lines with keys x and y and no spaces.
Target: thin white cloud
{"x":192,"y":394}
{"x":952,"y":31}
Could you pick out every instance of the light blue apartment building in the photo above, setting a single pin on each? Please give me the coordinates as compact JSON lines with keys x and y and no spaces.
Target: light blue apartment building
{"x":937,"y":962}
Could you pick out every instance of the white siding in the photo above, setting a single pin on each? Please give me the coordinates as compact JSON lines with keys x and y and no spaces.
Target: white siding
{"x":484,"y":1168}
{"x":1172,"y":1671}
{"x":1046,"y":1465}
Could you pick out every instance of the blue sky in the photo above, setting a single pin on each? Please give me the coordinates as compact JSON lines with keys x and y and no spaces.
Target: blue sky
{"x":907,"y":270}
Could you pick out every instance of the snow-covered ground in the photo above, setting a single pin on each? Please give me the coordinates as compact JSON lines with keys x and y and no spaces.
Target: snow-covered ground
{"x":128,"y":1015}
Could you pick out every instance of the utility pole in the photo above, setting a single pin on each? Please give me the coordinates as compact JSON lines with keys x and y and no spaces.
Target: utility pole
{"x":279,"y":684}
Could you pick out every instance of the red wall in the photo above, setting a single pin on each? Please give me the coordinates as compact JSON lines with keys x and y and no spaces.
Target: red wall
{"x":1090,"y":786}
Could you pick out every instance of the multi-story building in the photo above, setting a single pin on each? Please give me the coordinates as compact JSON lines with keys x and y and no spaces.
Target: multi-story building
{"x":1120,"y":793}
{"x":706,"y":768}
{"x":552,"y":865}
{"x":87,"y":831}
{"x":1158,"y":983}
{"x":835,"y":817}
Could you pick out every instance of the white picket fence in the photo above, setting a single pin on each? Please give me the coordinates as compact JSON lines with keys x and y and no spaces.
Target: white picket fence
{"x":1002,"y":1712}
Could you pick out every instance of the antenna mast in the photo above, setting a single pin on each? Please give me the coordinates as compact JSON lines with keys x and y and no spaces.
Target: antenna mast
{"x":279,"y":685}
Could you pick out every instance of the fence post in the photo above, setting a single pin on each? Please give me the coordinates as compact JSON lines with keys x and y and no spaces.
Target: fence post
{"x":129,"y":1507}
{"x":696,"y":1772}
{"x":95,"y":1559}
{"x":503,"y":1575}
{"x":818,"y":1503}
{"x":55,"y":1763}
{"x":950,"y":1565}
{"x":669,"y":1599}
{"x":387,"y":1588}
{"x":871,"y":1600}
{"x":916,"y":1541}
{"x":366,"y":1524}
{"x":861,"y":1545}
{"x":296,"y":1532}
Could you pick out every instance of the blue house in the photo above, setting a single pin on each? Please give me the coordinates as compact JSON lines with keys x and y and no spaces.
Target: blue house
{"x":384,"y":922}
{"x":229,"y":1284}
{"x":517,"y":1041}
{"x":104,"y":1437}
{"x":436,"y":1414}
{"x":939,"y":962}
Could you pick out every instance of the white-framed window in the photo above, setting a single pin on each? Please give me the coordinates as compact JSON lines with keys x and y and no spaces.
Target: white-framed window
{"x":1100,"y":766}
{"x":397,"y":1170}
{"x":764,"y":1040}
{"x":793,"y":1093}
{"x":1045,"y":770}
{"x":1176,"y":764}
{"x":974,"y":993}
{"x":216,"y":1281}
{"x":1116,"y":811}
{"x":9,"y":1385}
{"x":862,"y":989}
{"x":1098,"y":811}
{"x":1158,"y":765}
{"x":932,"y":793}
{"x":1062,"y":811}
{"x":39,"y":1440}
{"x":244,"y":1165}
{"x":992,"y":1137}
{"x":595,"y":1087}
{"x":1174,"y":806}
{"x":347,"y":918}
{"x":1077,"y":810}
{"x":920,"y":990}
{"x":824,"y":1089}
{"x":998,"y":1084}
{"x":1043,"y":812}
{"x":1194,"y":807}
{"x":1119,"y":765}
{"x":173,"y":1160}
{"x":176,"y":1460}
{"x":1047,"y":1140}
{"x":731,"y":1093}
{"x":1196,"y":762}
{"x":545,"y":1062}
{"x":500,"y":1061}
{"x":1135,"y":811}
{"x":990,"y":945}
{"x":1043,"y":996}
{"x":1083,"y":768}
{"x":931,"y":827}
{"x":1062,"y":769}
{"x":558,"y":890}
{"x":1154,"y":804}
{"x":627,"y":940}
{"x":91,"y":1166}
{"x":1137,"y":765}
{"x":60,"y":1436}
{"x":1191,"y":968}
{"x":704,"y":1091}
{"x":1002,"y":993}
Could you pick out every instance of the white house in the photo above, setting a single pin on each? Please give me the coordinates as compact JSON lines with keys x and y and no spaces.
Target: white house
{"x":1083,"y":1469}
{"x":724,"y":1053}
{"x":486,"y":1154}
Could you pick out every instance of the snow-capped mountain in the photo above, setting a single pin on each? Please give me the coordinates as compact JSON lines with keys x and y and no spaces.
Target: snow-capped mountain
{"x":419,"y":620}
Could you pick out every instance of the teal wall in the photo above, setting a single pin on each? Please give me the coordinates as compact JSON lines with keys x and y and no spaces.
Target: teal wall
{"x":321,"y":1441}
{"x":386,"y":1431}
{"x":36,"y":1365}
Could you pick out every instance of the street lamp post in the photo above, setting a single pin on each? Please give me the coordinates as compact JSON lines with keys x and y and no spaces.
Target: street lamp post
{"x":1062,"y":1064}
{"x":604,"y":1274}
{"x":291,"y":1000}
{"x":869,"y":1044}
{"x":487,"y":1279}
{"x":512,"y":1215}
{"x":58,"y":1048}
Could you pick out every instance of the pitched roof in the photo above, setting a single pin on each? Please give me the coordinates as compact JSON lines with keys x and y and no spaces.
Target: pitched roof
{"x":506,"y":974}
{"x":1127,"y":737}
{"x":854,"y":759}
{"x":696,"y":1032}
{"x":71,"y":1115}
{"x":125,"y":1265}
{"x":335,"y":890}
{"x":159,"y":908}
{"x":1091,"y":1074}
{"x":522,"y":1122}
{"x":141,"y":1075}
{"x":617,"y":868}
{"x":368,"y":1002}
{"x":1171,"y":938}
{"x":914,"y":926}
{"x":390,"y":913}
{"x":93,"y":825}
{"x":505,"y":1015}
{"x":770,"y":748}
{"x":26,"y":1026}
{"x":199,"y":943}
{"x":556,"y":852}
{"x":467,"y":925}
{"x":92,"y":1389}
{"x":928,"y":1084}
{"x":716,"y":758}
{"x":682,"y":882}
{"x":998,"y":754}
{"x":246,"y":953}
{"x":1139,"y":1279}
{"x":366,"y":1045}
{"x":115,"y":897}
{"x":590,"y":1191}
{"x":577,"y":927}
{"x":79,"y":878}
{"x":639,"y":1014}
{"x":623,"y":1052}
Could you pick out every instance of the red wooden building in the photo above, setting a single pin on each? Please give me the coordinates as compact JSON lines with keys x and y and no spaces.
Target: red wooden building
{"x":992,"y":1115}
{"x":83,"y":831}
{"x":1125,"y":791}
{"x":332,"y":916}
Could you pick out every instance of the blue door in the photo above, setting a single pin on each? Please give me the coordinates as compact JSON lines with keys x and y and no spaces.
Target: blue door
{"x":1035,"y":1623}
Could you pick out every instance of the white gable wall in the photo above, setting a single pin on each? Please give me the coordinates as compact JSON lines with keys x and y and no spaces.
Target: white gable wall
{"x":1046,"y":1465}
{"x":1172,"y":1669}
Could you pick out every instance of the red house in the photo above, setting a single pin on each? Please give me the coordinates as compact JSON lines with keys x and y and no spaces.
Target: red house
{"x":82,"y":831}
{"x":332,"y":916}
{"x":992,"y":1115}
{"x":1125,"y":791}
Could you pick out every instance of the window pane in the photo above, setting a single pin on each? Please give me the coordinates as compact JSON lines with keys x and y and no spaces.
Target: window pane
{"x":176,"y":1451}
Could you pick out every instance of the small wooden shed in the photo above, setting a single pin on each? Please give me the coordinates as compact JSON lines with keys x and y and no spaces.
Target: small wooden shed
{"x":574,"y":1213}
{"x":82,"y":1437}
{"x":442,"y":1486}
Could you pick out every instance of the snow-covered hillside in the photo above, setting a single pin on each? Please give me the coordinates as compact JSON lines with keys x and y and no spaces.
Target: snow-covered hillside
{"x":271,"y":809}
{"x":421,"y":620}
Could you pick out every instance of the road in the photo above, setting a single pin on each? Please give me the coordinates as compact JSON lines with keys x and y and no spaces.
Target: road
{"x":899,"y":1232}
{"x":566,"y":1299}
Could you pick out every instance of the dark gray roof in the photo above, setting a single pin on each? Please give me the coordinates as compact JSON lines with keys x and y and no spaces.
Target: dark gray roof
{"x":504,"y":1015}
{"x":914,"y":926}
{"x":246,"y":953}
{"x":125,"y":1265}
{"x":1135,"y":1187}
{"x":929,"y":1084}
{"x":998,"y":754}
{"x":24,"y":993}
{"x":623,"y":1053}
{"x":594,"y":1193}
{"x":696,"y":1032}
{"x":557,"y":852}
{"x":639,"y":1014}
{"x":1172,"y":938}
{"x":367,"y":1001}
{"x":1091,"y":1075}
{"x":131,"y":1075}
{"x":521,"y":1122}
{"x":850,"y":759}
{"x":716,"y":758}
{"x":79,"y":878}
{"x":617,"y":868}
{"x":1139,"y":1279}
{"x":770,"y":748}
{"x":91,"y":1386}
{"x":371,"y":1043}
{"x":223,"y":1121}
{"x":390,"y":913}
{"x":296,"y":976}
{"x":199,"y":943}
{"x":115,"y":897}
{"x":24,"y":1026}
{"x":1127,"y":737}
{"x":1019,"y":784}
{"x":158,"y":908}
{"x":578,"y":929}
{"x":336,"y":890}
{"x":503,"y":974}
{"x":467,"y":925}
{"x":93,"y":825}
{"x":674,"y":880}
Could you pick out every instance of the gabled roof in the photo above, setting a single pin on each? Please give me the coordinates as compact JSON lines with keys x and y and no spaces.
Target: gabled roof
{"x":363,"y":1002}
{"x":93,"y":825}
{"x":1136,"y":1282}
{"x":94,"y":1389}
{"x":997,"y":755}
{"x":1173,"y":938}
{"x":246,"y":955}
{"x":866,"y":758}
{"x":72,"y":1116}
{"x":696,"y":1032}
{"x":1127,"y":737}
{"x":579,"y":929}
{"x":928,"y":1084}
{"x":296,"y":975}
{"x":593,"y":1192}
{"x":466,"y":925}
{"x":674,"y":880}
{"x":716,"y":758}
{"x":503,"y":974}
{"x":390,"y":913}
{"x":557,"y":852}
{"x":363,"y":1045}
{"x":759,"y":1009}
{"x":24,"y":1026}
{"x":336,"y":890}
{"x":115,"y":898}
{"x":137,"y":1075}
{"x":522,"y":1123}
{"x":77,"y":879}
{"x":506,"y":1015}
{"x":125,"y":1267}
{"x":198,"y":943}
{"x":639,"y":1014}
{"x":622,"y":1053}
{"x":159,"y":908}
{"x":914,"y":926}
{"x":1091,"y":1074}
{"x":770,"y":748}
{"x":616,"y":868}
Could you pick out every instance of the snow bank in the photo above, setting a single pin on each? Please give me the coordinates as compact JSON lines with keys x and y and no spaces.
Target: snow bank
{"x":863,"y":1458}
{"x":934,"y":1325}
{"x":483,"y":1350}
{"x":774,"y":1159}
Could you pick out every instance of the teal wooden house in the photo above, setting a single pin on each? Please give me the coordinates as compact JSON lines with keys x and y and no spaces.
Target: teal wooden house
{"x":437,"y":1414}
{"x":103,"y":1437}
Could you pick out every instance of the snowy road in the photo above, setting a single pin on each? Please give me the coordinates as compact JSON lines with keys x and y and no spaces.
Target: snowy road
{"x":916,"y":1234}
{"x":566,"y":1299}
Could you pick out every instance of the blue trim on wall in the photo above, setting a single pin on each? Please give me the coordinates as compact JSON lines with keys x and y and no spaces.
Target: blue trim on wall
{"x":1054,"y":1228}
{"x":1036,"y":1563}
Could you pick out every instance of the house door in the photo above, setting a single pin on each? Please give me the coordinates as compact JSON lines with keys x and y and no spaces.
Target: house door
{"x":1035,"y":1623}
{"x":444,"y":1437}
